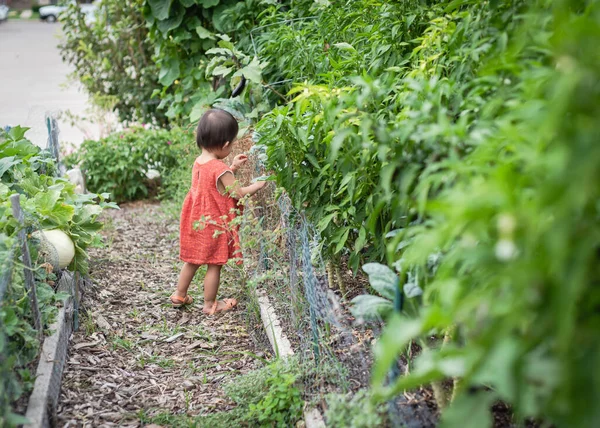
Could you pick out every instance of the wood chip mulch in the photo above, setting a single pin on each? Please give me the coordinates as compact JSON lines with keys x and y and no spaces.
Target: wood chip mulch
{"x":134,"y":354}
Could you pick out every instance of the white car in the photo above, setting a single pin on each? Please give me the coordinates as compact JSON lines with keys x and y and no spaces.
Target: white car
{"x":50,"y":13}
{"x":3,"y":12}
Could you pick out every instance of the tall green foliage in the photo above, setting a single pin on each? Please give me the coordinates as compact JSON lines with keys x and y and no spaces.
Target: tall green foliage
{"x":395,"y":100}
{"x":463,"y":154}
{"x":185,"y":33}
{"x":113,"y":59}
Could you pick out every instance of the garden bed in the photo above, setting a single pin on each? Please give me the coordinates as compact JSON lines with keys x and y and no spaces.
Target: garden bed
{"x":43,"y":401}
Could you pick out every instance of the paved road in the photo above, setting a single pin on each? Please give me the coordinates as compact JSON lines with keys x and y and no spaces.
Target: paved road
{"x":33,"y":80}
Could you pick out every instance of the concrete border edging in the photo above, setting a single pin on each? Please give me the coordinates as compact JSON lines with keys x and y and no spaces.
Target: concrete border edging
{"x":279,"y":342}
{"x":43,"y":402}
{"x":283,"y":348}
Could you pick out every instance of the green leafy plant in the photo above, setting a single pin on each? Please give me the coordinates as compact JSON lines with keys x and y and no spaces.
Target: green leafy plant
{"x":120,"y":163}
{"x":354,"y":411}
{"x":270,"y":394}
{"x":47,"y":202}
{"x":183,"y":32}
{"x":112,"y":58}
{"x":282,"y":405}
{"x":443,"y":152}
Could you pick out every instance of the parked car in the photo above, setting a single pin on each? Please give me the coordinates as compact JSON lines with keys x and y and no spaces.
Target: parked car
{"x":51,"y":13}
{"x":3,"y":12}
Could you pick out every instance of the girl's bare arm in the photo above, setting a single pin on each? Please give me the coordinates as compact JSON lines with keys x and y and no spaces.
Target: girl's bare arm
{"x":231,"y":186}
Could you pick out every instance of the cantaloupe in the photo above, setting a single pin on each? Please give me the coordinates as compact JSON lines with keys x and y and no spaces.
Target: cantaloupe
{"x":63,"y":250}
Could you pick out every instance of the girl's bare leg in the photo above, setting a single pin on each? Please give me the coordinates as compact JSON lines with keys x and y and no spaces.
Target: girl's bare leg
{"x":211,"y":286}
{"x":185,"y":279}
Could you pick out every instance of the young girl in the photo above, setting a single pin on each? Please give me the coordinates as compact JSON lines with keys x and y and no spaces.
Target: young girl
{"x":212,"y":201}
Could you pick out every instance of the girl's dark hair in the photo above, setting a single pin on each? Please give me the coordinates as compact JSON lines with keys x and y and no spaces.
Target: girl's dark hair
{"x":216,"y":127}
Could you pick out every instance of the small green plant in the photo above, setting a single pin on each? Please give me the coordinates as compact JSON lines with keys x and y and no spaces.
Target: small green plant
{"x":88,"y":324}
{"x":353,"y":411}
{"x":270,"y":396}
{"x":122,"y":343}
{"x":282,"y":404}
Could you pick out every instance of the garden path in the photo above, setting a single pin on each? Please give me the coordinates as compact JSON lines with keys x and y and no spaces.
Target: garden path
{"x":134,"y":357}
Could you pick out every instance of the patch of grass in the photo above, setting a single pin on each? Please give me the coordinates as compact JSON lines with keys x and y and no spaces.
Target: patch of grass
{"x":231,"y":418}
{"x":122,"y":343}
{"x":134,"y":313}
{"x":16,"y":14}
{"x":144,"y":360}
{"x":88,"y":323}
{"x":165,"y":329}
{"x":200,"y":332}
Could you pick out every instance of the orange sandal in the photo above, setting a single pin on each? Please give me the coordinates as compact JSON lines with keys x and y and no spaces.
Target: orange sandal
{"x":229,"y":305}
{"x":178,"y":302}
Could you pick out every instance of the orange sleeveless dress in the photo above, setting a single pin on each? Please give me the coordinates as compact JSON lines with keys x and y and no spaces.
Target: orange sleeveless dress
{"x":213,"y":241}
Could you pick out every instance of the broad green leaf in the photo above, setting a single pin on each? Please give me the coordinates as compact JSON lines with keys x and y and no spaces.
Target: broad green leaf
{"x":169,"y":72}
{"x":497,"y":371}
{"x":225,"y":42}
{"x":203,"y":33}
{"x":46,"y":201}
{"x":219,"y":51}
{"x":221,"y":70}
{"x":208,"y":3}
{"x":382,"y":279}
{"x":397,"y":334}
{"x":173,"y":21}
{"x":7,"y":163}
{"x":360,"y":241}
{"x":160,"y":8}
{"x":345,"y":46}
{"x":61,"y":214}
{"x":264,"y":178}
{"x":87,"y":213}
{"x":342,"y":241}
{"x":324,"y":222}
{"x":412,"y":289}
{"x":17,"y":133}
{"x":370,"y":307}
{"x":13,"y":419}
{"x":252,"y":72}
{"x":476,"y":405}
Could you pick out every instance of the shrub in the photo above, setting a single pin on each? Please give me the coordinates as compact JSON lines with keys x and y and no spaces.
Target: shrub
{"x":112,"y":58}
{"x":119,"y":163}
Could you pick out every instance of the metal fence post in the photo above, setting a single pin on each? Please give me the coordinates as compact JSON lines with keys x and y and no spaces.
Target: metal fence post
{"x":77,"y":278}
{"x":27,"y":270}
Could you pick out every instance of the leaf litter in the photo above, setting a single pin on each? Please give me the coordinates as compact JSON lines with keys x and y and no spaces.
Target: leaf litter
{"x":134,"y":353}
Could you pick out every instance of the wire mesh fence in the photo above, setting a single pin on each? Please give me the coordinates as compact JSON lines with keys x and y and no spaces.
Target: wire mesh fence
{"x":283,"y":255}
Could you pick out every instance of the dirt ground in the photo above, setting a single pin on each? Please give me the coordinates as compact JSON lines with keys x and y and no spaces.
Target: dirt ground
{"x":134,"y":355}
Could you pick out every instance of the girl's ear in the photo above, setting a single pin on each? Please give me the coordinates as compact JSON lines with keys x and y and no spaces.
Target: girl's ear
{"x":227,"y":144}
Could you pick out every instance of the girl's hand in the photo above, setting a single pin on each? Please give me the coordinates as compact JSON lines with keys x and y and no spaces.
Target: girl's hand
{"x":238,"y":161}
